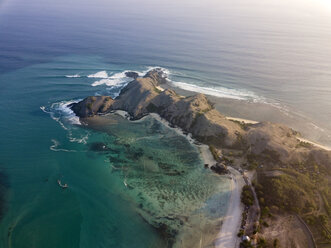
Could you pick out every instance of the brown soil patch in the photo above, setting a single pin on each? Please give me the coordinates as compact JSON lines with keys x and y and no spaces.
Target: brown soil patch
{"x":288,"y":230}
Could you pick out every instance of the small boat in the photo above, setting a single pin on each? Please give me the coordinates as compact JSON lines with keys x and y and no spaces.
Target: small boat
{"x":64,"y":186}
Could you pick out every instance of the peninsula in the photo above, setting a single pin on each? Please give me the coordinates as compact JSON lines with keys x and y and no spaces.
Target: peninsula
{"x":285,"y":176}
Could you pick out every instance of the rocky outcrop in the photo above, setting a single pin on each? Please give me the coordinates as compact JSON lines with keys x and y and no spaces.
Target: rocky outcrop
{"x":219,"y":168}
{"x":92,"y":105}
{"x":195,"y":114}
{"x":132,"y":74}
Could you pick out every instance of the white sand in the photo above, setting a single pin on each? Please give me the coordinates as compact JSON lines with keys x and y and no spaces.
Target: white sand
{"x":299,"y":138}
{"x":160,"y":88}
{"x":314,"y":144}
{"x":206,"y":155}
{"x":227,"y":237}
{"x":241,"y":120}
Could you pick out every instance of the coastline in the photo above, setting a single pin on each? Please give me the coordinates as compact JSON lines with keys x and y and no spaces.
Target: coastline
{"x":230,"y":223}
{"x":246,"y":107}
{"x":197,"y":116}
{"x":314,"y":144}
{"x":246,"y":121}
{"x":254,"y":112}
{"x":227,"y":235}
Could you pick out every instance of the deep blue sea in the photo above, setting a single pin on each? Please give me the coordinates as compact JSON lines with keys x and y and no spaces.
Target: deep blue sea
{"x":274,"y":54}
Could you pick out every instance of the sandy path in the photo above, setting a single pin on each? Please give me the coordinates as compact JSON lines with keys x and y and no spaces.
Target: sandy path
{"x":227,"y":237}
{"x":206,"y":155}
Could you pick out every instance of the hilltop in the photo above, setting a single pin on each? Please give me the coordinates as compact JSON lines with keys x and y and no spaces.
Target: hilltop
{"x":291,"y":176}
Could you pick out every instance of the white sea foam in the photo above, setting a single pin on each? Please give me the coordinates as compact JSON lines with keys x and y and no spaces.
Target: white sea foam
{"x":55,"y":148}
{"x":120,"y":78}
{"x":62,"y":114}
{"x":73,"y":76}
{"x":113,"y":80}
{"x":100,"y":74}
{"x":81,"y":140}
{"x":217,"y":91}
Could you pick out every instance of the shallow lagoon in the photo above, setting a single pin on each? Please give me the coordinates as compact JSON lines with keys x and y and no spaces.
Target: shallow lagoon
{"x":164,"y":178}
{"x":148,"y":175}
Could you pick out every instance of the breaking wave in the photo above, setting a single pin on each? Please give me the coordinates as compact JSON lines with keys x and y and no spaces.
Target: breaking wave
{"x":119,"y":80}
{"x":55,"y":146}
{"x":100,"y":74}
{"x":218,"y":91}
{"x":62,"y":114}
{"x":73,"y":76}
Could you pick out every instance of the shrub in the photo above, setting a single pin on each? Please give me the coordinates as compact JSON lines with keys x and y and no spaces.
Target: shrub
{"x":247,"y":196}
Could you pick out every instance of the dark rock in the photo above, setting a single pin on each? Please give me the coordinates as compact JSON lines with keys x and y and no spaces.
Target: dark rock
{"x":99,"y":147}
{"x":92,"y":105}
{"x":219,"y":168}
{"x":132,"y":74}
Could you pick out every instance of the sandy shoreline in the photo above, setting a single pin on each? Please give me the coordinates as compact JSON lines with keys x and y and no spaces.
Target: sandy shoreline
{"x":314,"y":144}
{"x":246,"y":121}
{"x":227,"y":237}
{"x":243,"y":110}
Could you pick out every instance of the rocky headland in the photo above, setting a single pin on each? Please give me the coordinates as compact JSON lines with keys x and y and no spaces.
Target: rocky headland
{"x":265,"y":141}
{"x":290,"y":175}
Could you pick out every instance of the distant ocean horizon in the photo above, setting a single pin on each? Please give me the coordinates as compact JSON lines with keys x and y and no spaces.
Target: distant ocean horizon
{"x":272,"y":57}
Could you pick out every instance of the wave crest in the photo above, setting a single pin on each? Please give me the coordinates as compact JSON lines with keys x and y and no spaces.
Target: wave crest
{"x":62,"y":114}
{"x":73,"y":76}
{"x":100,"y":74}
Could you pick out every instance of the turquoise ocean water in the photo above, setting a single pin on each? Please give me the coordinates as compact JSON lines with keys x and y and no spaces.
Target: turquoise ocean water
{"x":117,"y":197}
{"x":54,"y":52}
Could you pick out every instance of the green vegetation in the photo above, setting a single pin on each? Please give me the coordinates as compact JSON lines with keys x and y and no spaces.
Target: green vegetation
{"x":214,"y":152}
{"x":157,"y":90}
{"x":240,"y":141}
{"x":243,"y":125}
{"x":325,"y":194}
{"x":304,"y":144}
{"x":240,"y":233}
{"x":152,"y":108}
{"x":195,"y":120}
{"x":211,"y":104}
{"x":276,"y":243}
{"x":290,"y":191}
{"x":262,"y":243}
{"x":89,"y":106}
{"x":246,"y":244}
{"x":301,"y":188}
{"x":247,"y":196}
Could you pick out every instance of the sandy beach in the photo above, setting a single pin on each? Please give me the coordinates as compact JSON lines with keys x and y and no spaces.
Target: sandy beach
{"x":314,"y":144}
{"x":246,"y":121}
{"x":227,"y":237}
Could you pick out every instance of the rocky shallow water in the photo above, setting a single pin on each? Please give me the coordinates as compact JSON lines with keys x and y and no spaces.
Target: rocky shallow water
{"x":164,"y":178}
